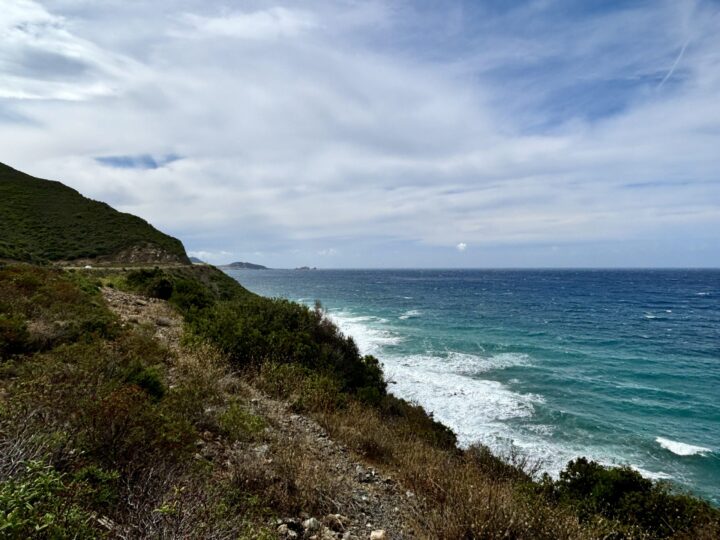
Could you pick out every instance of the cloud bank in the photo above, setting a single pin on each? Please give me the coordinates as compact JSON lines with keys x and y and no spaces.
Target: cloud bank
{"x":375,"y":134}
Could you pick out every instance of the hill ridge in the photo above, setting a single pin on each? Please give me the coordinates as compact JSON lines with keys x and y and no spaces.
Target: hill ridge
{"x":47,"y":221}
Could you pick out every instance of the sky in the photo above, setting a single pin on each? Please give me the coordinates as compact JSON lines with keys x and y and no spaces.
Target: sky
{"x":380,"y":134}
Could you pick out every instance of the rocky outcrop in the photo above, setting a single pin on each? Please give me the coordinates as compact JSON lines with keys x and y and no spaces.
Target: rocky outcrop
{"x":137,"y":255}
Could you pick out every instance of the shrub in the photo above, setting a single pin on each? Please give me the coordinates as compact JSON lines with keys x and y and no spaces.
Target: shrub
{"x":622,"y":494}
{"x":124,"y":430}
{"x":239,"y":424}
{"x":415,"y":419}
{"x":305,"y":389}
{"x":39,"y":504}
{"x":149,"y":379}
{"x":256,"y":330}
{"x":98,"y":487}
{"x":190,"y":296}
{"x":153,"y":283}
{"x":14,"y":336}
{"x":51,"y":306}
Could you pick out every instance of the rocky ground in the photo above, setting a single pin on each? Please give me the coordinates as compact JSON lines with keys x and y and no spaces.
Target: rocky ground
{"x":367,"y":504}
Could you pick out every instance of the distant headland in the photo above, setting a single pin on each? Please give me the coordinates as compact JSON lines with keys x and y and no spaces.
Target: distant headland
{"x":247,"y":266}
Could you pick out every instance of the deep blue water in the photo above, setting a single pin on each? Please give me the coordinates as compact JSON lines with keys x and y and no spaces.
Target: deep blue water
{"x":622,"y":366}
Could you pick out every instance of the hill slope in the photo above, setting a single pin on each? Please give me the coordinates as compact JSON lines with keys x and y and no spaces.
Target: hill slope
{"x":46,"y":220}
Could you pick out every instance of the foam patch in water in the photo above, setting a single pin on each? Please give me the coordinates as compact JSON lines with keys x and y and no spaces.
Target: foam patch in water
{"x":369,"y":338}
{"x":681,"y":448}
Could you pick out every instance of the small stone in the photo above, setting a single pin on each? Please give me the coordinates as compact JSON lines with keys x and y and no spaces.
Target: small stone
{"x":162,"y":321}
{"x":337,"y":522}
{"x":380,"y":534}
{"x":286,"y":532}
{"x":311,"y":525}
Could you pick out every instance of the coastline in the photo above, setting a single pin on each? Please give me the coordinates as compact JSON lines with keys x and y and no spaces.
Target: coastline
{"x":481,"y":396}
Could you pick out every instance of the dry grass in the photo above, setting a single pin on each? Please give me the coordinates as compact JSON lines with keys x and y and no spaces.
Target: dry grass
{"x":457,"y":495}
{"x":288,"y":474}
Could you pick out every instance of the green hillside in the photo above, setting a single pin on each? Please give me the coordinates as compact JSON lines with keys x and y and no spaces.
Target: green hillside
{"x":43,"y":220}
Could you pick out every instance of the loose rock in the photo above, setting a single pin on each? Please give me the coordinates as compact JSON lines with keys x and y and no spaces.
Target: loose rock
{"x":337,"y":522}
{"x":311,"y":525}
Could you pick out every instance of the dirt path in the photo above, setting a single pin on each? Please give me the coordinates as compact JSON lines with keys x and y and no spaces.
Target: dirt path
{"x":366,"y":503}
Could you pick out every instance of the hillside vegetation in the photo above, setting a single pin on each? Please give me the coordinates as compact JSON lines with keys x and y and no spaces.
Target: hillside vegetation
{"x":42,"y":220}
{"x":109,"y":429}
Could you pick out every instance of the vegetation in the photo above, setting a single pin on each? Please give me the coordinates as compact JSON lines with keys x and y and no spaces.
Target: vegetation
{"x":105,"y":431}
{"x":47,"y":221}
{"x":99,"y":423}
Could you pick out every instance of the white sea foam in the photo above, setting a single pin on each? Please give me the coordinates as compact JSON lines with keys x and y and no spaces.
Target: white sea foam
{"x":681,"y":448}
{"x":465,"y":363}
{"x":473,"y":408}
{"x":477,"y":410}
{"x":659,"y":475}
{"x":410,"y":314}
{"x":369,"y":339}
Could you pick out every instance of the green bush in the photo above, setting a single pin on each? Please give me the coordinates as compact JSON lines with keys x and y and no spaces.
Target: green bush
{"x":624,"y":495}
{"x":149,"y":379}
{"x":52,"y":306}
{"x":255,"y":330}
{"x":97,"y":487}
{"x":14,"y":337}
{"x":415,"y":419}
{"x":39,"y":504}
{"x":125,"y":430}
{"x":239,"y":424}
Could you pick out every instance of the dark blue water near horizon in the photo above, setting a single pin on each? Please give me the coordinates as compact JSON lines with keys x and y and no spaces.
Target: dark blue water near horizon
{"x":622,"y":366}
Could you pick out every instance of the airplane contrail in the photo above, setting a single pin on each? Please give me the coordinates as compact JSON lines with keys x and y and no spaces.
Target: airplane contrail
{"x":677,"y":61}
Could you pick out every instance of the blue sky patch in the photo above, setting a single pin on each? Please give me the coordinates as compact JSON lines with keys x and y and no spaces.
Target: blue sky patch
{"x":139,"y":161}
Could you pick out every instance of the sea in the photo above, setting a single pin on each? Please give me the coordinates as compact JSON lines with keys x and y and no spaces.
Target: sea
{"x":620,"y":366}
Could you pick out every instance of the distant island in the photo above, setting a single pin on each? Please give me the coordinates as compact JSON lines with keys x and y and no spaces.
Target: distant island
{"x":306,"y":268}
{"x":247,"y":266}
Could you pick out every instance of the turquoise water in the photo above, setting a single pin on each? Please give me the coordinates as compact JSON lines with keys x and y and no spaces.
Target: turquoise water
{"x":622,"y":366}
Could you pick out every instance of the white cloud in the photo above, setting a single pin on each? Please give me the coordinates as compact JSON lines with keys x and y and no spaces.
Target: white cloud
{"x":462,"y":246}
{"x":42,"y":59}
{"x":300,"y":129}
{"x":273,"y":23}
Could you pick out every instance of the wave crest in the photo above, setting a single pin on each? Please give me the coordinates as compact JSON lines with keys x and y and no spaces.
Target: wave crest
{"x":681,"y":448}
